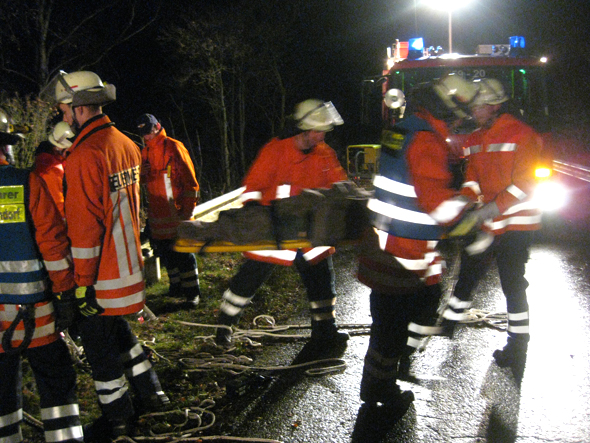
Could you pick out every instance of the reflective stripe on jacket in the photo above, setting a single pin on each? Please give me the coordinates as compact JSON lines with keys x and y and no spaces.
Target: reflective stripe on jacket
{"x":171,"y":183}
{"x":413,"y":198}
{"x":501,"y":168}
{"x":102,"y":211}
{"x":282,"y":170}
{"x":45,"y":332}
{"x":51,"y":255}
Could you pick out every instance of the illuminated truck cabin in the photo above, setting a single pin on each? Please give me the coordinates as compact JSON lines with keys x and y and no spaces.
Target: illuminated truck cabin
{"x":410,"y":63}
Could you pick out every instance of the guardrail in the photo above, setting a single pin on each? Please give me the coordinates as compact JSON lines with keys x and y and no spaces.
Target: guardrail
{"x":572,"y":169}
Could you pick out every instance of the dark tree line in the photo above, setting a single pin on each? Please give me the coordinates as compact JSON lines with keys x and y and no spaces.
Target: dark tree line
{"x":221,"y":75}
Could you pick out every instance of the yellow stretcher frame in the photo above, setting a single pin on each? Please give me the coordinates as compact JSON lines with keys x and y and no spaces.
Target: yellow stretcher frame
{"x":186,"y":245}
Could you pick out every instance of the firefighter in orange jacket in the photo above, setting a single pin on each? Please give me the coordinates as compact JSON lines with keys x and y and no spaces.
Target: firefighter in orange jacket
{"x":33,"y":245}
{"x":102,"y":214}
{"x":413,"y":201}
{"x":283,"y":168}
{"x":172,"y":194}
{"x":502,"y":156}
{"x":49,"y":162}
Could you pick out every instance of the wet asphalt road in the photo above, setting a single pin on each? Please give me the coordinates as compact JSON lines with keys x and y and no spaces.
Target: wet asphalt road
{"x":461,"y":395}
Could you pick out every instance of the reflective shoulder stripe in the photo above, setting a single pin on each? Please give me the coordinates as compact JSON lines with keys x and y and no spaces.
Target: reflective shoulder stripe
{"x":394,"y":187}
{"x":86,"y":253}
{"x":501,"y":147}
{"x":57,"y":265}
{"x":517,"y":192}
{"x":19,"y":266}
{"x":254,"y":195}
{"x":472,"y":149}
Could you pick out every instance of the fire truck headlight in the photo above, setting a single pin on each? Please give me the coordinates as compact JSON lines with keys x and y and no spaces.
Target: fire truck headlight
{"x":550,"y":196}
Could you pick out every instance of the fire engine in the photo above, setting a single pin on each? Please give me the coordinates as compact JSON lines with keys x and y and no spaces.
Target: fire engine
{"x":410,"y":63}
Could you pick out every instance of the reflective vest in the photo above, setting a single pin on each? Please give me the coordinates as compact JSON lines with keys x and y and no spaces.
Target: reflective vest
{"x":395,"y":209}
{"x":22,"y":274}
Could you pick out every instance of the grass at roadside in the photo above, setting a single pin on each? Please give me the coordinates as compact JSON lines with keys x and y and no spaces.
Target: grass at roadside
{"x":169,"y":341}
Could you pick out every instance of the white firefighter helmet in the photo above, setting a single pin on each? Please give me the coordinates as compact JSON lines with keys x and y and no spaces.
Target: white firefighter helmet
{"x":316,"y":115}
{"x":489,"y":92}
{"x":9,"y":134}
{"x":456,"y":93}
{"x":60,"y":135}
{"x":82,"y":88}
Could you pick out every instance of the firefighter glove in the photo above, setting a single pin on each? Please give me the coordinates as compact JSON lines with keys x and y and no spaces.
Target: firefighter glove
{"x":87,"y":304}
{"x":66,"y":309}
{"x":474,"y":219}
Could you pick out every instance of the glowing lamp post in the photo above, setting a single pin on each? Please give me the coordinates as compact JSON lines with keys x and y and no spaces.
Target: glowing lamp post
{"x":449,"y":6}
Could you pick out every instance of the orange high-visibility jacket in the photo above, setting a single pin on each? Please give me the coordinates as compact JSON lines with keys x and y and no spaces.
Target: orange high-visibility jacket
{"x":427,"y":160}
{"x":50,"y":236}
{"x":282,"y":170}
{"x":501,"y":168}
{"x":172,"y":187}
{"x":102,"y":214}
{"x":50,"y":168}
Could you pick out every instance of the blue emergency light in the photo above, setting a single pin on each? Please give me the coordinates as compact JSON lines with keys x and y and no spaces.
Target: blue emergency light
{"x":517,"y":42}
{"x":415,"y":48}
{"x":516,"y":45}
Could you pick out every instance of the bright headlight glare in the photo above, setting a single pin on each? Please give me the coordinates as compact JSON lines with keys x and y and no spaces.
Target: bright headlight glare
{"x":550,"y":196}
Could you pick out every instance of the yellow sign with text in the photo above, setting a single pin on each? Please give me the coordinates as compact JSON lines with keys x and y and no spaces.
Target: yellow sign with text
{"x":12,"y":204}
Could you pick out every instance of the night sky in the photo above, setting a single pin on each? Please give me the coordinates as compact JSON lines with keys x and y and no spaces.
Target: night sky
{"x":340,"y":42}
{"x":347,"y":41}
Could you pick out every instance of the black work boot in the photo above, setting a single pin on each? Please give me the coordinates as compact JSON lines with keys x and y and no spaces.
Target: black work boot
{"x":192,"y":297}
{"x":448,"y":328}
{"x":223,"y":335}
{"x":157,"y":402}
{"x":325,"y":334}
{"x":386,"y":393}
{"x":512,"y":355}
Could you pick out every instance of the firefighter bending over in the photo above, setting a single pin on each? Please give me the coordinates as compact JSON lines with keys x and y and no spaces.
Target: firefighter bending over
{"x":102,"y":214}
{"x":172,"y":194}
{"x":33,"y":244}
{"x":285,"y":167}
{"x":398,"y":260}
{"x":503,"y":155}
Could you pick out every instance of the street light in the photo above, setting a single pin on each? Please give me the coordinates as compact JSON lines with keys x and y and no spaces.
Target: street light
{"x":449,"y":6}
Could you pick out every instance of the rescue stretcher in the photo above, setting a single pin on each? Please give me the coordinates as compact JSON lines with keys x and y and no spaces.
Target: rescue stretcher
{"x":314,"y":218}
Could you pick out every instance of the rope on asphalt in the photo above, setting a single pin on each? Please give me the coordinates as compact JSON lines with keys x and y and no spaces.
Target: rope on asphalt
{"x":498,"y":320}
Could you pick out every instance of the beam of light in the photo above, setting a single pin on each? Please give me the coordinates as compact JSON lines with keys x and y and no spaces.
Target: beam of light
{"x":550,"y":196}
{"x":445,"y":5}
